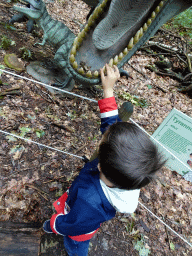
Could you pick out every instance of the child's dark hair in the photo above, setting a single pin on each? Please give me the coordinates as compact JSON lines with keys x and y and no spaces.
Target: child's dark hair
{"x":127,"y":157}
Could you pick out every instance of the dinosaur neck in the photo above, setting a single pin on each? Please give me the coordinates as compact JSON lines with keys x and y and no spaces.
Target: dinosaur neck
{"x":55,"y":32}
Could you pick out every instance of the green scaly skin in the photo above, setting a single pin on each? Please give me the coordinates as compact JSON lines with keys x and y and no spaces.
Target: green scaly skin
{"x":111,"y":34}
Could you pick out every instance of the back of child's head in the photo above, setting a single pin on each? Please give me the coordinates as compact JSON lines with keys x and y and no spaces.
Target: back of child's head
{"x":127,"y":157}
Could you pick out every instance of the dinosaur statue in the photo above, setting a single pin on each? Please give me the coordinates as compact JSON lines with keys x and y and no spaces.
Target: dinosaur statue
{"x":113,"y":33}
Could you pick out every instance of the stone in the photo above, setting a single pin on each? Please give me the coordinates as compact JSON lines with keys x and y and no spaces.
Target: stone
{"x":13,"y":62}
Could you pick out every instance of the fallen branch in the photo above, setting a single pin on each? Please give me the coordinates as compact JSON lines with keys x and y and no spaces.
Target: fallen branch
{"x":11,"y":91}
{"x":165,"y":47}
{"x":64,"y":127}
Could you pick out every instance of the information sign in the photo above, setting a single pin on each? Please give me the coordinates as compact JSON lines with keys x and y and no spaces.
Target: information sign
{"x":175,"y":133}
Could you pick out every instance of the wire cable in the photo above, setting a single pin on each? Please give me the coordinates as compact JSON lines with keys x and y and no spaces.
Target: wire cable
{"x":165,"y":224}
{"x":19,"y":137}
{"x":39,"y":144}
{"x":49,"y":86}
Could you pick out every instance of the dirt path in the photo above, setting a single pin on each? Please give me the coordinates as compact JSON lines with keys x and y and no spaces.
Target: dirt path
{"x":32,"y":177}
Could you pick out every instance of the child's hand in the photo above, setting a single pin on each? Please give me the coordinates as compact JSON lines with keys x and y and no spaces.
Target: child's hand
{"x":109,"y":80}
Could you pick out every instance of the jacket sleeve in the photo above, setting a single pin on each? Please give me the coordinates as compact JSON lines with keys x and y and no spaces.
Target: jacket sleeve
{"x":109,"y":113}
{"x":82,"y":219}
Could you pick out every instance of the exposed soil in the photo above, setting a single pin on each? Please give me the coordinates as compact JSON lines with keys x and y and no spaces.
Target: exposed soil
{"x":32,"y":177}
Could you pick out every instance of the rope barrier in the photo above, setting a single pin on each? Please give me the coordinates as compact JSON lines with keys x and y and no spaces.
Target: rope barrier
{"x":49,"y":86}
{"x":39,"y":144}
{"x":165,"y":224}
{"x":31,"y":141}
{"x":82,"y":157}
{"x":34,"y":81}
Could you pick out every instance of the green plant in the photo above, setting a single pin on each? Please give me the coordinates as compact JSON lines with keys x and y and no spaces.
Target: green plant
{"x":26,"y":53}
{"x":136,"y":100}
{"x":140,"y":246}
{"x":183,"y":22}
{"x":72,"y":114}
{"x":6,"y":42}
{"x":24,"y":130}
{"x":39,"y":133}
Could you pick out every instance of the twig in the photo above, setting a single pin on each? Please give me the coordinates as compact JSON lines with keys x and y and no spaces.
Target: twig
{"x":168,"y":32}
{"x":189,"y":62}
{"x":187,"y":76}
{"x":64,"y":127}
{"x":164,"y":47}
{"x":146,"y":77}
{"x":43,"y":196}
{"x":41,"y":192}
{"x":79,"y":149}
{"x":56,"y":178}
{"x":11,"y":91}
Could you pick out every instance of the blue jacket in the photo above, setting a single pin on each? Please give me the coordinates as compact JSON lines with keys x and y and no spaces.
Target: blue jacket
{"x":82,"y":209}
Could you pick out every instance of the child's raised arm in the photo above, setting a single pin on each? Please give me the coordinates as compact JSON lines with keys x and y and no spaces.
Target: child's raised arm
{"x":108,"y":80}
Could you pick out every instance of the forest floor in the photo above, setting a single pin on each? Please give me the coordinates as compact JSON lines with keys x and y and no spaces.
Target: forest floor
{"x":32,"y":177}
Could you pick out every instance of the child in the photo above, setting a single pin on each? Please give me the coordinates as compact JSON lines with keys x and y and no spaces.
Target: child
{"x":127,"y":161}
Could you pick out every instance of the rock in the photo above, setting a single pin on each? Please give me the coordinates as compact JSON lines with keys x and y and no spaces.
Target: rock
{"x":13,"y":62}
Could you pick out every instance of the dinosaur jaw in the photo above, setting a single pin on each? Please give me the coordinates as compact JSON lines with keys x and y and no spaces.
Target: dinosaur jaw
{"x":110,"y":35}
{"x":32,"y":12}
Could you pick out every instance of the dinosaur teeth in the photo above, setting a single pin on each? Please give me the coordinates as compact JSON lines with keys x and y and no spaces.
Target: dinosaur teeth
{"x":145,"y":27}
{"x":91,"y":21}
{"x":89,"y":74}
{"x":125,"y":51}
{"x":86,"y":28}
{"x":149,"y":22}
{"x":161,"y":4}
{"x":153,"y":15}
{"x":80,"y":38}
{"x":104,"y":2}
{"x":74,"y":50}
{"x":130,"y":45}
{"x":157,"y":10}
{"x":96,"y":73}
{"x":72,"y":58}
{"x":116,"y":59}
{"x":75,"y":41}
{"x":111,"y":63}
{"x":95,"y":14}
{"x":75,"y":65}
{"x":121,"y":56}
{"x":136,"y":37}
{"x":81,"y":71}
{"x":100,"y":10}
{"x":141,"y":32}
{"x":83,"y":33}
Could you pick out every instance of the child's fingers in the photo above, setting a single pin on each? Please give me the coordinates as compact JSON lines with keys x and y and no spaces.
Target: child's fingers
{"x":102,"y":73}
{"x":107,"y":69}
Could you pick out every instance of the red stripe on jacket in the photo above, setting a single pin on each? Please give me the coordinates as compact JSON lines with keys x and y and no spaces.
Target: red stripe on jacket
{"x":59,"y":206}
{"x":107,"y":105}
